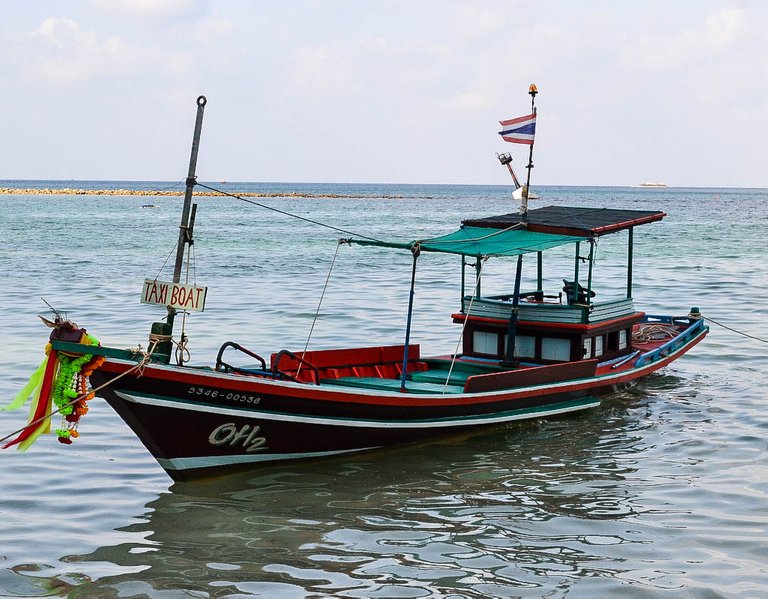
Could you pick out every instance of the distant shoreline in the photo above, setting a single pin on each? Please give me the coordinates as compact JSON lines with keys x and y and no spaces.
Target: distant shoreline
{"x":144,"y":192}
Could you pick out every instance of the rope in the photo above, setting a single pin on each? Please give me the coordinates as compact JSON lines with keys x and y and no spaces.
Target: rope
{"x":168,"y":257}
{"x":182,"y":353}
{"x":172,"y":185}
{"x":713,"y":321}
{"x":283,"y":212}
{"x":650,"y":332}
{"x":138,"y":368}
{"x":320,"y":303}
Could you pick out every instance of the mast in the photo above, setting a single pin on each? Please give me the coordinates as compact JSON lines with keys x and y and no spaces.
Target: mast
{"x":161,"y":333}
{"x":185,"y":230}
{"x":524,"y":206}
{"x":509,"y":357}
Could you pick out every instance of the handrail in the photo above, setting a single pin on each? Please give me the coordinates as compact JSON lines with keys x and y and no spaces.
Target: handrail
{"x":237,"y":346}
{"x":292,"y":356}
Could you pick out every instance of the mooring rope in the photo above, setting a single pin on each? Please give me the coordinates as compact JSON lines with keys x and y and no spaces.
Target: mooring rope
{"x":285,"y":213}
{"x":138,"y":368}
{"x":720,"y":324}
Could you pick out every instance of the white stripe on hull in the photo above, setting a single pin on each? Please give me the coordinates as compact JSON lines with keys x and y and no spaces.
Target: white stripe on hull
{"x":212,"y":461}
{"x":521,"y":414}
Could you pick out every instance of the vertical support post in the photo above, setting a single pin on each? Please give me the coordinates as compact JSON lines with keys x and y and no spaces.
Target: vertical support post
{"x":416,"y":251}
{"x":509,"y":358}
{"x":575,"y":295}
{"x":540,"y":270}
{"x":630,"y":259}
{"x":478,"y":270}
{"x":463,"y":280}
{"x":589,"y":275}
{"x":185,"y":237}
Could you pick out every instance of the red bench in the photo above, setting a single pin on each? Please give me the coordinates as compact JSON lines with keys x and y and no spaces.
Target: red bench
{"x":384,"y":362}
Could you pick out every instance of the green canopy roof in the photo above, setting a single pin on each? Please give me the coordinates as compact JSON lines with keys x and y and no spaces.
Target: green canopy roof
{"x":481,"y":241}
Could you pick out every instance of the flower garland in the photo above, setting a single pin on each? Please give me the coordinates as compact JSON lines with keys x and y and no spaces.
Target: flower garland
{"x":70,"y":392}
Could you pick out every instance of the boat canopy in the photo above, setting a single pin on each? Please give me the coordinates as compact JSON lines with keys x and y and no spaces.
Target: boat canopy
{"x":480,"y":241}
{"x":570,"y":220}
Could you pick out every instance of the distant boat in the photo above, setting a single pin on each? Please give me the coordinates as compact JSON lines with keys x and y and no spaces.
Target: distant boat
{"x":652,"y":184}
{"x":518,"y":194}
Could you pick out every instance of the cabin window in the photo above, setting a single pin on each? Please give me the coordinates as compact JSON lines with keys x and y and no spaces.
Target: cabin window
{"x":525,"y":346}
{"x":622,"y":339}
{"x":599,"y":345}
{"x":485,"y":343}
{"x":587,"y":353}
{"x":555,"y":349}
{"x":612,"y":341}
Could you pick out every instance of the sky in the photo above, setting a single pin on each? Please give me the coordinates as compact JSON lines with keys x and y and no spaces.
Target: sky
{"x":386,"y":91}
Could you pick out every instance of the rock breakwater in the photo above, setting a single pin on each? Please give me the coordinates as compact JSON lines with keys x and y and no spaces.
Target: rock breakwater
{"x":160,"y":193}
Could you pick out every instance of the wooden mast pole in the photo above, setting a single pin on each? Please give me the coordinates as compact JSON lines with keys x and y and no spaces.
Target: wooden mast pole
{"x":161,"y":333}
{"x":185,"y":234}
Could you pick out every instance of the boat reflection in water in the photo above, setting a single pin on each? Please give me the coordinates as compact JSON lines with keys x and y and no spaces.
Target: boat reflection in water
{"x":490,"y":513}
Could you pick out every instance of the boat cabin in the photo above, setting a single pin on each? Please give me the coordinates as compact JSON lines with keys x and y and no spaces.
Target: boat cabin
{"x":575,"y":324}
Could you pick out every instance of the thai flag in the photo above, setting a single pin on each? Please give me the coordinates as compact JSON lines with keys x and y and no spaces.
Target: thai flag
{"x":520,"y":130}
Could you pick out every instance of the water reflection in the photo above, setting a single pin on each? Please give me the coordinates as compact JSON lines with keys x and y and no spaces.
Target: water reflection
{"x":490,"y":514}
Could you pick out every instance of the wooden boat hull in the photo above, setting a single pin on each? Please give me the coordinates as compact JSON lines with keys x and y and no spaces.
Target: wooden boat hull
{"x":196,"y":421}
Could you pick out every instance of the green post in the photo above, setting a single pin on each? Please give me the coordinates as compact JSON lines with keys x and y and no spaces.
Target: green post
{"x":540,"y":271}
{"x":478,"y":269}
{"x":591,"y":262}
{"x":575,"y":297}
{"x":463,"y":281}
{"x":161,"y":332}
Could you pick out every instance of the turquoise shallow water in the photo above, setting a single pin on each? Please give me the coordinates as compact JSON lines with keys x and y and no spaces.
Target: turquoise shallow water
{"x":660,"y":492}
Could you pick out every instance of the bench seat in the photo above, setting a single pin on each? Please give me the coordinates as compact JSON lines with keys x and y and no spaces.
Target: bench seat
{"x":392,"y":385}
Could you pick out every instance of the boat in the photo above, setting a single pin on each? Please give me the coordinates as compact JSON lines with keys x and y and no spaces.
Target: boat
{"x":525,"y":354}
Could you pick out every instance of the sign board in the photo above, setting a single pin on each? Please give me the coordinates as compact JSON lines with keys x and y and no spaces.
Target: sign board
{"x":174,"y":295}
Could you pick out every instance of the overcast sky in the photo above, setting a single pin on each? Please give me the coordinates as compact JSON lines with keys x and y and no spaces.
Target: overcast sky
{"x":396,"y":91}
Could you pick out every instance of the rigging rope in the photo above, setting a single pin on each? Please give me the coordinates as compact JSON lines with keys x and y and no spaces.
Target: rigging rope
{"x":319,"y":303}
{"x":283,"y":212}
{"x":182,"y":353}
{"x":713,"y":321}
{"x":168,"y":257}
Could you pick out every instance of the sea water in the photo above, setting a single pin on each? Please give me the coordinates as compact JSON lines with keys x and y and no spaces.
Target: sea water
{"x":662,"y":491}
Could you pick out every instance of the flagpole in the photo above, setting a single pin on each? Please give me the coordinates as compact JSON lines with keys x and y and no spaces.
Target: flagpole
{"x":524,"y":206}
